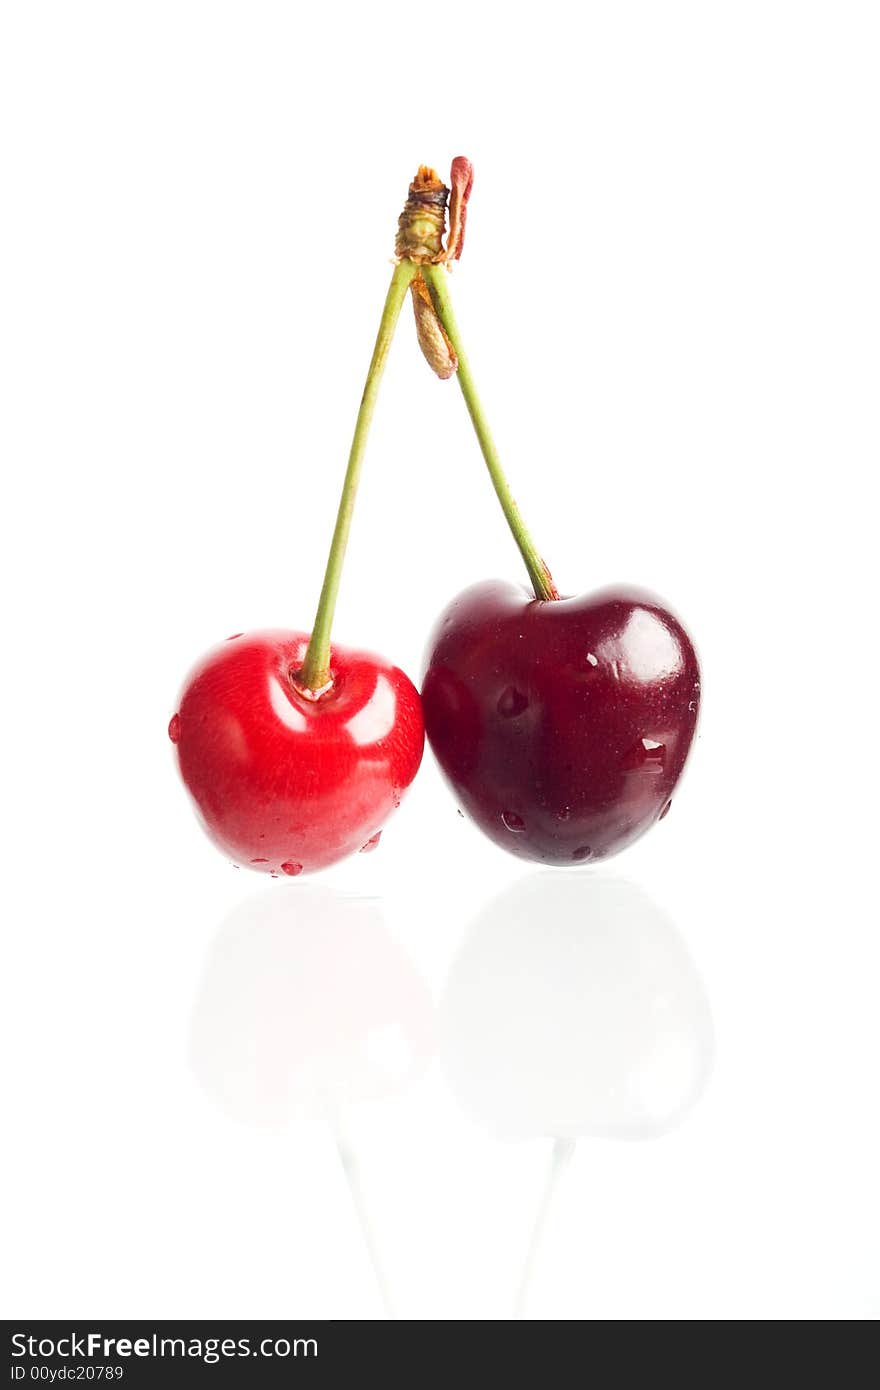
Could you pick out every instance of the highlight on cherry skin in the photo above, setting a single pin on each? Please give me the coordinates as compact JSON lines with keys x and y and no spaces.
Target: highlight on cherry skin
{"x":285,"y":781}
{"x":562,"y":725}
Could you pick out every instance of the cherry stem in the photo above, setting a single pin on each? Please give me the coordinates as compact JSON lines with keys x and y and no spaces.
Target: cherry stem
{"x":437,"y":280}
{"x":559,"y":1160}
{"x":315,"y":674}
{"x":351,"y":1169}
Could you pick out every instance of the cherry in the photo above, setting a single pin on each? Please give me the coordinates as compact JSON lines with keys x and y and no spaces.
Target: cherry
{"x":307,"y":1003}
{"x":284,"y":782}
{"x":296,"y":752}
{"x":573,"y":1008}
{"x":562,"y":726}
{"x":308,"y":1006}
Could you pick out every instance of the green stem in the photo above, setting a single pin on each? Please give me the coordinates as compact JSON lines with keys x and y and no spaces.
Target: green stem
{"x":437,"y":280}
{"x":315,"y":673}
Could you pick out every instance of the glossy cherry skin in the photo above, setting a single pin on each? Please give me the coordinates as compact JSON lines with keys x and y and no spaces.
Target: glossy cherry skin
{"x":561,"y":726}
{"x":284,"y":783}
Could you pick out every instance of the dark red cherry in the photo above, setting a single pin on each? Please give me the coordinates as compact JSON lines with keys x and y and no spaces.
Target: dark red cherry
{"x":284,"y":782}
{"x":562,"y":726}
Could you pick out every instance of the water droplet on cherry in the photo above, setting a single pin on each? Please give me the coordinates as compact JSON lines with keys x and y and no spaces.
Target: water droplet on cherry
{"x":583,"y":853}
{"x":291,"y":869}
{"x":514,"y":823}
{"x":564,"y":814}
{"x":511,"y":702}
{"x":259,"y":861}
{"x":174,"y":728}
{"x":593,"y":660}
{"x":646,"y":754}
{"x":371,"y":843}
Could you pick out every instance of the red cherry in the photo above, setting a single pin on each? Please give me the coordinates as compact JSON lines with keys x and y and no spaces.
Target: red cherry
{"x":283,"y":781}
{"x":562,"y":726}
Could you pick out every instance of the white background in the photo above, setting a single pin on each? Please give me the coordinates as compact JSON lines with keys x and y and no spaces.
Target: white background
{"x":671,"y":297}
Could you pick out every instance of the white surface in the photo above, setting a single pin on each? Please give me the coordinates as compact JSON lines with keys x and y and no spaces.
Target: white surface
{"x":670,"y":294}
